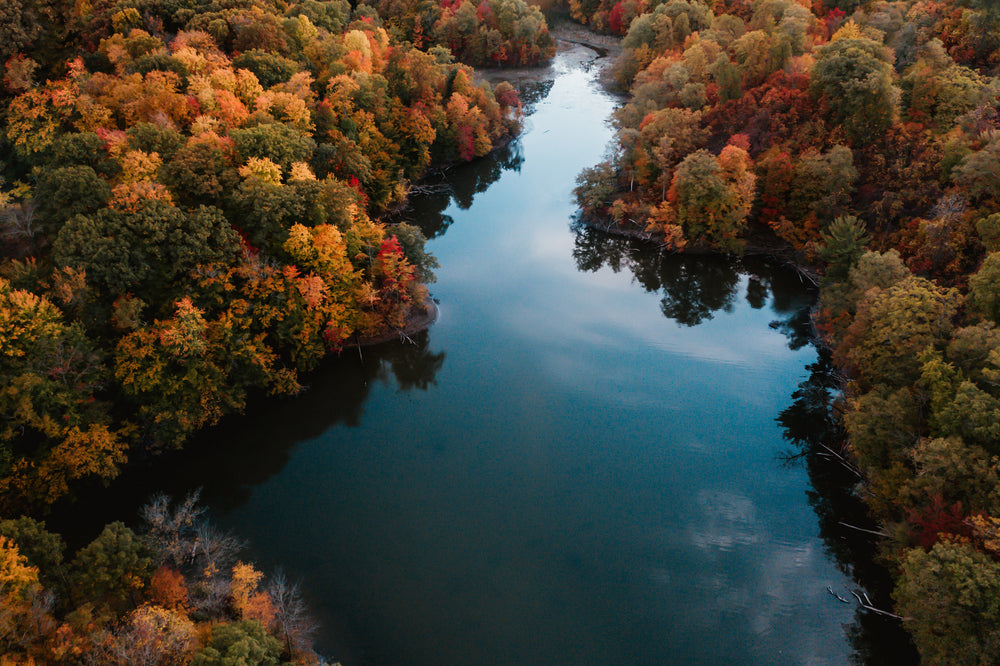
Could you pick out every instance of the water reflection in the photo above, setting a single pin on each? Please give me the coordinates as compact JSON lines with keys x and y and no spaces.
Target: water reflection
{"x":533,"y":92}
{"x":810,"y":423}
{"x":695,"y":288}
{"x":217,"y":459}
{"x":460,"y":184}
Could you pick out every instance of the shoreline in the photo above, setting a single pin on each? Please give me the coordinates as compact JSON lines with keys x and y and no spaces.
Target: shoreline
{"x":419,"y":319}
{"x":569,"y":36}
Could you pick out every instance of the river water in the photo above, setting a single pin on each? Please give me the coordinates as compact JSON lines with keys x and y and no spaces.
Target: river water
{"x":585,"y":461}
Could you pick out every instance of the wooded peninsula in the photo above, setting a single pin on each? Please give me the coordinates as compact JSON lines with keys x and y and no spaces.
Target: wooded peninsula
{"x":192,"y":206}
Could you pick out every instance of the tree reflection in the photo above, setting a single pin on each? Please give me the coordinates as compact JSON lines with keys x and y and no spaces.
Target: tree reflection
{"x":694,"y":288}
{"x":460,"y":183}
{"x":533,"y":92}
{"x":810,"y":423}
{"x":231,"y":459}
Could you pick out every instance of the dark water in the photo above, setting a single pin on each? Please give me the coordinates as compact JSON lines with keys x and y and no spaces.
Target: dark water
{"x":585,"y":461}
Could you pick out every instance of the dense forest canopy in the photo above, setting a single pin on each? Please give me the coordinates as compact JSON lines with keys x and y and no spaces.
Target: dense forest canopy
{"x":189,"y":211}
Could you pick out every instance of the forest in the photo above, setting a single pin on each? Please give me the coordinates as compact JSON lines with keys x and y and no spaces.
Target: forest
{"x":861,"y":139}
{"x":191,"y":203}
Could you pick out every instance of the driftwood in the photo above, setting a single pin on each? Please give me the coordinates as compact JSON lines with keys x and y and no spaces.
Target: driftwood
{"x":864,"y":602}
{"x":861,"y":529}
{"x":843,"y":461}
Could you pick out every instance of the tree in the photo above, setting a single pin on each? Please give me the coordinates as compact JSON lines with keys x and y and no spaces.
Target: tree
{"x":274,"y":141}
{"x":957,"y":472}
{"x":202,"y":171}
{"x":54,"y":430}
{"x":893,"y":326}
{"x":952,"y":596}
{"x":977,"y":172}
{"x":112,"y":570}
{"x":822,"y":184}
{"x":249,"y":601}
{"x":269,"y":68}
{"x":984,"y":288}
{"x":958,"y":407}
{"x":712,"y":197}
{"x":67,"y":191}
{"x":24,"y":606}
{"x":854,"y":79}
{"x":39,"y":547}
{"x":294,"y":624}
{"x":145,"y":250}
{"x":413,"y":241}
{"x":843,"y":245}
{"x":239,"y":644}
{"x":150,"y":636}
{"x":186,"y":372}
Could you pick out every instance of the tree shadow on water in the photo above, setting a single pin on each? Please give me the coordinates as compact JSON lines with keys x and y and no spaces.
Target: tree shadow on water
{"x":810,"y":424}
{"x":229,"y":460}
{"x":459,"y":184}
{"x":693,"y":288}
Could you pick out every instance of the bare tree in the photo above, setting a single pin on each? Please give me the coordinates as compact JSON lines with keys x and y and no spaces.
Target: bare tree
{"x":172,"y":531}
{"x":294,"y":623}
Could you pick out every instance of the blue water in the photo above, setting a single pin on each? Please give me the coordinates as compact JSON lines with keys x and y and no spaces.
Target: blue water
{"x":584,"y":480}
{"x":578,"y":464}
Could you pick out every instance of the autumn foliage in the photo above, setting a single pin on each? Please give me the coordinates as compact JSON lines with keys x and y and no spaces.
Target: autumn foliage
{"x":864,"y":143}
{"x":189,"y":199}
{"x":172,"y":593}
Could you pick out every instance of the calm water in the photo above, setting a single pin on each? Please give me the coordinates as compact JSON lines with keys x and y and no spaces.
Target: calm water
{"x":583,"y":462}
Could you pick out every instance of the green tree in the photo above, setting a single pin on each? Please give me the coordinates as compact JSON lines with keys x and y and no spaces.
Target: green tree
{"x":149,"y":138}
{"x":269,"y":68}
{"x":39,"y":547}
{"x":948,"y":468}
{"x":854,"y":79}
{"x":112,"y":570}
{"x":843,"y":244}
{"x":951,"y":596}
{"x":67,"y":191}
{"x":984,"y":288}
{"x":893,"y":326}
{"x":146,"y":250}
{"x":277,"y":142}
{"x":201,"y":172}
{"x":243,"y":643}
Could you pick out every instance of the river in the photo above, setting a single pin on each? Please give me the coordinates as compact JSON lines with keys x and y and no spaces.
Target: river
{"x":589,"y":459}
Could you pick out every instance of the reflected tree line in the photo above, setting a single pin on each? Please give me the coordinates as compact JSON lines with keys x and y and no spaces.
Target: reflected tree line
{"x":693,"y":289}
{"x":229,"y":460}
{"x":336,"y":391}
{"x":460,"y":185}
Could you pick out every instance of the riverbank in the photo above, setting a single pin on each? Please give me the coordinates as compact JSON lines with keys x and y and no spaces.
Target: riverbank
{"x":419,"y":318}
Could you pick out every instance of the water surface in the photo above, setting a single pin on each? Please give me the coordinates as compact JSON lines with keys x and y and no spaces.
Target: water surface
{"x":580,"y":463}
